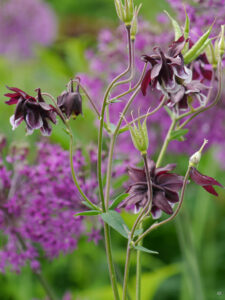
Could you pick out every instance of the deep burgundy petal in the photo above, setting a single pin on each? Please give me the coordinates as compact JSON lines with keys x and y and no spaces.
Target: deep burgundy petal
{"x":19,"y":112}
{"x":161,"y":202}
{"x":201,"y":179}
{"x":171,"y":195}
{"x":46,"y":129}
{"x":176,"y":47}
{"x":137,"y":174}
{"x":145,"y":82}
{"x":12,"y":101}
{"x":167,"y":168}
{"x":210,"y":189}
{"x":33,"y":119}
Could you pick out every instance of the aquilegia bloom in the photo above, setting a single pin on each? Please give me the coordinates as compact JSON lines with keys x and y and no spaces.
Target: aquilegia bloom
{"x":205,"y":181}
{"x":165,"y":187}
{"x":35,"y":113}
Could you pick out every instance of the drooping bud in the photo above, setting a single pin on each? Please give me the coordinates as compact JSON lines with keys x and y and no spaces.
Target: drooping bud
{"x":70,"y":102}
{"x":134,"y":24}
{"x":196,"y":157}
{"x":211,"y":54}
{"x":139,"y":136}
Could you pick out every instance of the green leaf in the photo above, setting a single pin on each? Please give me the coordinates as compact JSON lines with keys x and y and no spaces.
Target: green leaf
{"x":87,"y":204}
{"x":176,"y":27}
{"x":114,"y":219}
{"x":138,"y":232}
{"x":118,"y":200}
{"x":88,"y":213}
{"x":178,"y":134}
{"x":143,"y":249}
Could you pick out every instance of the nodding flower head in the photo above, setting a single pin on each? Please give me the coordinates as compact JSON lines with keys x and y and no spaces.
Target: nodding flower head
{"x":70,"y":102}
{"x":165,"y":187}
{"x":35,"y":113}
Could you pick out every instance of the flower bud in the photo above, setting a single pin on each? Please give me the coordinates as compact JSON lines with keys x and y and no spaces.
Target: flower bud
{"x":196,"y":157}
{"x":134,"y":24}
{"x":125,"y":11}
{"x":211,"y":55}
{"x":221,"y":42}
{"x":139,"y":136}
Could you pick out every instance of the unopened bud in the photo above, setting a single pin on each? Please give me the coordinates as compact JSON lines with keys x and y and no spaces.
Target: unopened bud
{"x":196,"y":157}
{"x":211,"y":55}
{"x":134,"y":24}
{"x":221,"y":42}
{"x":125,"y":11}
{"x":139,"y":136}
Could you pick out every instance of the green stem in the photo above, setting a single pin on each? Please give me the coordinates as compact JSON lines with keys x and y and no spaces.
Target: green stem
{"x":73,"y":171}
{"x":126,"y":271}
{"x":166,"y":143}
{"x":112,"y":271}
{"x":138,"y":273}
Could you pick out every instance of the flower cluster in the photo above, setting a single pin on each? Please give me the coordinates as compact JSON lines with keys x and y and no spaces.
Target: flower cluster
{"x":37,"y":206}
{"x":23,"y":24}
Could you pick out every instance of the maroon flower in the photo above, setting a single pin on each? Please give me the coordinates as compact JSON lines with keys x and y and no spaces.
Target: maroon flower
{"x":165,"y":187}
{"x":35,"y":113}
{"x":205,"y":181}
{"x":166,"y":70}
{"x":70,"y":102}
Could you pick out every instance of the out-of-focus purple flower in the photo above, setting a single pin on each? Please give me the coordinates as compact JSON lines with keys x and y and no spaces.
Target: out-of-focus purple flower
{"x":35,"y":113}
{"x":70,"y":102}
{"x":24,"y":24}
{"x":205,"y":181}
{"x":165,"y":187}
{"x":95,"y":236}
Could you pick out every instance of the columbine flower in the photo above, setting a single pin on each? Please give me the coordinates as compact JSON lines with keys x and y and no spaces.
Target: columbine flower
{"x":165,"y":187}
{"x":205,"y":181}
{"x":70,"y":102}
{"x":185,"y":93}
{"x":166,"y":71}
{"x":35,"y":113}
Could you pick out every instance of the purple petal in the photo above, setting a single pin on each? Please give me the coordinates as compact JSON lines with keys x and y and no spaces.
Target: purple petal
{"x":161,"y":202}
{"x":210,"y":189}
{"x":176,"y":47}
{"x":145,"y":82}
{"x":201,"y":179}
{"x":33,"y":119}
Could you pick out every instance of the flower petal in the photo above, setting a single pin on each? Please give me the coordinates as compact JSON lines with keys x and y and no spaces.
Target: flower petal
{"x":145,"y":82}
{"x":33,"y":119}
{"x":201,"y":179}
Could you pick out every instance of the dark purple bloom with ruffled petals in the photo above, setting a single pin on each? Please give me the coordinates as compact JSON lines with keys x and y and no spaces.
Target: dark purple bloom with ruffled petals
{"x":35,"y":113}
{"x":165,"y":187}
{"x":205,"y":181}
{"x":166,"y":69}
{"x":70,"y":102}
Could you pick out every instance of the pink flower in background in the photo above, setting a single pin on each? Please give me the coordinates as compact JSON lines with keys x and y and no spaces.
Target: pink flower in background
{"x":24,"y":24}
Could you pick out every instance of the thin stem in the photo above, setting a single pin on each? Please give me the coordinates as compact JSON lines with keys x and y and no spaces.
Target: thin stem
{"x":112,"y":271}
{"x":100,"y":137}
{"x":112,"y":145}
{"x":133,"y":88}
{"x":73,"y":171}
{"x":156,"y":225}
{"x":138,"y":274}
{"x":166,"y":143}
{"x":126,"y":271}
{"x":144,"y":116}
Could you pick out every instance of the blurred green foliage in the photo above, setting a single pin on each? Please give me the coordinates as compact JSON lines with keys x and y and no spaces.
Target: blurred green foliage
{"x":167,"y":276}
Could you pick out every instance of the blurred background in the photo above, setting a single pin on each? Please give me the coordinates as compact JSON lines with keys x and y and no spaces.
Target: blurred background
{"x":44,"y":44}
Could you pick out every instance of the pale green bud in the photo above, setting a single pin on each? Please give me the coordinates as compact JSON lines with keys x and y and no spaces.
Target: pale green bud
{"x":134,"y":24}
{"x":221,"y":42}
{"x":211,"y":54}
{"x":196,"y":157}
{"x":125,"y":11}
{"x":139,"y":136}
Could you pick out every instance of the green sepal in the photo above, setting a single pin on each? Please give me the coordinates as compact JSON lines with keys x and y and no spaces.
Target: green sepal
{"x":198,"y":47}
{"x":176,"y":27}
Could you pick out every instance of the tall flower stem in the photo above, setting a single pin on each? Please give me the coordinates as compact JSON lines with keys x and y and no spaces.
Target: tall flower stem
{"x":147,"y":207}
{"x":166,"y":143}
{"x":138,"y":274}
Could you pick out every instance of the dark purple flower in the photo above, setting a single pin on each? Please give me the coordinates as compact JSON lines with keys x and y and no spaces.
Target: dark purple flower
{"x":185,"y":93}
{"x":166,"y":70}
{"x":35,"y":113}
{"x":165,"y":187}
{"x":70,"y":102}
{"x":205,"y":181}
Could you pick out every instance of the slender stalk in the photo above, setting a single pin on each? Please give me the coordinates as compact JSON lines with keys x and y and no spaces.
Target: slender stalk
{"x":100,"y":135}
{"x":138,"y":274}
{"x":126,"y":271}
{"x":166,"y":143}
{"x":112,"y":271}
{"x":73,"y":171}
{"x":156,"y":225}
{"x":112,"y":145}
